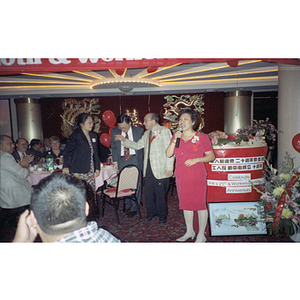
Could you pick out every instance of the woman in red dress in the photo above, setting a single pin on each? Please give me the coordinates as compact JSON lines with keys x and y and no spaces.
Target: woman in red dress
{"x":194,"y":150}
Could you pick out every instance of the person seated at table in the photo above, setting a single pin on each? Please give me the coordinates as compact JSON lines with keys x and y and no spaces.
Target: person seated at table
{"x":55,"y":151}
{"x":42,"y":149}
{"x":15,"y":191}
{"x":21,"y":154}
{"x":58,"y":214}
{"x":35,"y":146}
{"x":46,"y":144}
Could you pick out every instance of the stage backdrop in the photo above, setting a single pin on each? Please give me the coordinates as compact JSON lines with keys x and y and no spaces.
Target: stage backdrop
{"x":52,"y":110}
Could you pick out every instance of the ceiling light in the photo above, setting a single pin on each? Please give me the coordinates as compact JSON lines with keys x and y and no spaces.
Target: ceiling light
{"x":125,"y":88}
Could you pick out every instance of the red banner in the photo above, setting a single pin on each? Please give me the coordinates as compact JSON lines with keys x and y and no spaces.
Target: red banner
{"x":229,"y":174}
{"x":35,"y":65}
{"x":10,"y":66}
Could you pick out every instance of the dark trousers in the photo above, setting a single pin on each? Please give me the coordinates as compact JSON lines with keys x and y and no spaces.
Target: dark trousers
{"x":156,"y":194}
{"x":10,"y":216}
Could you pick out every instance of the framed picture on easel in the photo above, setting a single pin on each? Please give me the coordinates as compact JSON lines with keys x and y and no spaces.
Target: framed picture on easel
{"x":236,"y":218}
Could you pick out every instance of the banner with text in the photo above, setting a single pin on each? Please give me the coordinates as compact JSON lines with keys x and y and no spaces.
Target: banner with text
{"x":230,"y":175}
{"x":9,"y":66}
{"x":35,"y":65}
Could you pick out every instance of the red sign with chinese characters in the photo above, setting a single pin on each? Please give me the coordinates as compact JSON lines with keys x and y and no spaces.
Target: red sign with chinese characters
{"x":229,"y":175}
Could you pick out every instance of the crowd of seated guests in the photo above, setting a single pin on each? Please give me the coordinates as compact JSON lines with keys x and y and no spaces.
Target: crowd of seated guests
{"x":15,"y":191}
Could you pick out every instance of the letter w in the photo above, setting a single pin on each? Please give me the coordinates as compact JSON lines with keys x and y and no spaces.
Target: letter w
{"x":92,"y":60}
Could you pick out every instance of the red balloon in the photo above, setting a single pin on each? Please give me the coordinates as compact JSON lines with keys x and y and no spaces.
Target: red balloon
{"x":105,"y":139}
{"x":233,"y":63}
{"x":109,"y":118}
{"x":120,"y":71}
{"x":296,"y":142}
{"x":152,"y":69}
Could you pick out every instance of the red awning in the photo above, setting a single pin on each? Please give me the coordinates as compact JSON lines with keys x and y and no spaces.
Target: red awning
{"x":9,"y":66}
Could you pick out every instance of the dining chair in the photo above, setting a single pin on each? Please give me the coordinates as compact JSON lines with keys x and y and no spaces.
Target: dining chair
{"x":127,"y":184}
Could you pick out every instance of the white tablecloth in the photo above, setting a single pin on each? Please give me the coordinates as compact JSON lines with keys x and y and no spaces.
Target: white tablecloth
{"x":35,"y":176}
{"x":106,"y":173}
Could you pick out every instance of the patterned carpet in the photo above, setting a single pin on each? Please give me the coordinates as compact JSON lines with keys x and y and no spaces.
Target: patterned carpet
{"x":134,"y":230}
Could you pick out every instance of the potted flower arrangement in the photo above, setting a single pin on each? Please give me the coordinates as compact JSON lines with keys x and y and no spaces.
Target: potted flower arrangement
{"x":219,"y":138}
{"x":259,"y":129}
{"x":282,"y":191}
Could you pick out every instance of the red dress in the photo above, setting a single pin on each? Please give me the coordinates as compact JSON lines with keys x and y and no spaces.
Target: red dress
{"x":191,"y":181}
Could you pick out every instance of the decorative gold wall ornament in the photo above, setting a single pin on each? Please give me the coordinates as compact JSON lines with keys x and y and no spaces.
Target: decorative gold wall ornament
{"x":72,"y":108}
{"x":175,"y":104}
{"x":134,"y":116}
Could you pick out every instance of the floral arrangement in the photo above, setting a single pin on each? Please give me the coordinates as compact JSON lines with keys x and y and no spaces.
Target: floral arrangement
{"x":219,"y":138}
{"x":157,"y":133}
{"x":282,"y":185}
{"x":195,"y":139}
{"x":259,"y":129}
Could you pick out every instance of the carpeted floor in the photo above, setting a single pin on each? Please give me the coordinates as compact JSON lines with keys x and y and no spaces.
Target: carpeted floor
{"x":134,"y":230}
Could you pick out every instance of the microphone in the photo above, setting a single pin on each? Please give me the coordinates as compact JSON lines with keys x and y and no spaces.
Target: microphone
{"x":178,"y":139}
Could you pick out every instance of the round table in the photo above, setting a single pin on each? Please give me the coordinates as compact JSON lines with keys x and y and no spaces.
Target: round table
{"x":35,"y":176}
{"x":106,"y":173}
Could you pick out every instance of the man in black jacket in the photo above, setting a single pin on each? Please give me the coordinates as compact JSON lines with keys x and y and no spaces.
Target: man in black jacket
{"x":122,"y":158}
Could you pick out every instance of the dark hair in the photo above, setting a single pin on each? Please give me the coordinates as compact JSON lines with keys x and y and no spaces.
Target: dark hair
{"x":193,"y":114}
{"x":123,"y":118}
{"x":2,"y":136}
{"x":58,"y":203}
{"x":154,"y":117}
{"x":54,"y":138}
{"x":17,"y":141}
{"x":80,"y":120}
{"x":34,"y":142}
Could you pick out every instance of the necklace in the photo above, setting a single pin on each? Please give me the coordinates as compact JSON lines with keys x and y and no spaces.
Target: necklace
{"x":188,"y":136}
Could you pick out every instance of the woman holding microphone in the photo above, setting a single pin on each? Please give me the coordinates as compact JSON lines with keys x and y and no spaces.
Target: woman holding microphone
{"x":193,"y":151}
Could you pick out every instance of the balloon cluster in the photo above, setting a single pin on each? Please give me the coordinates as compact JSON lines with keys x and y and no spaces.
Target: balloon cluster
{"x":109,"y":119}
